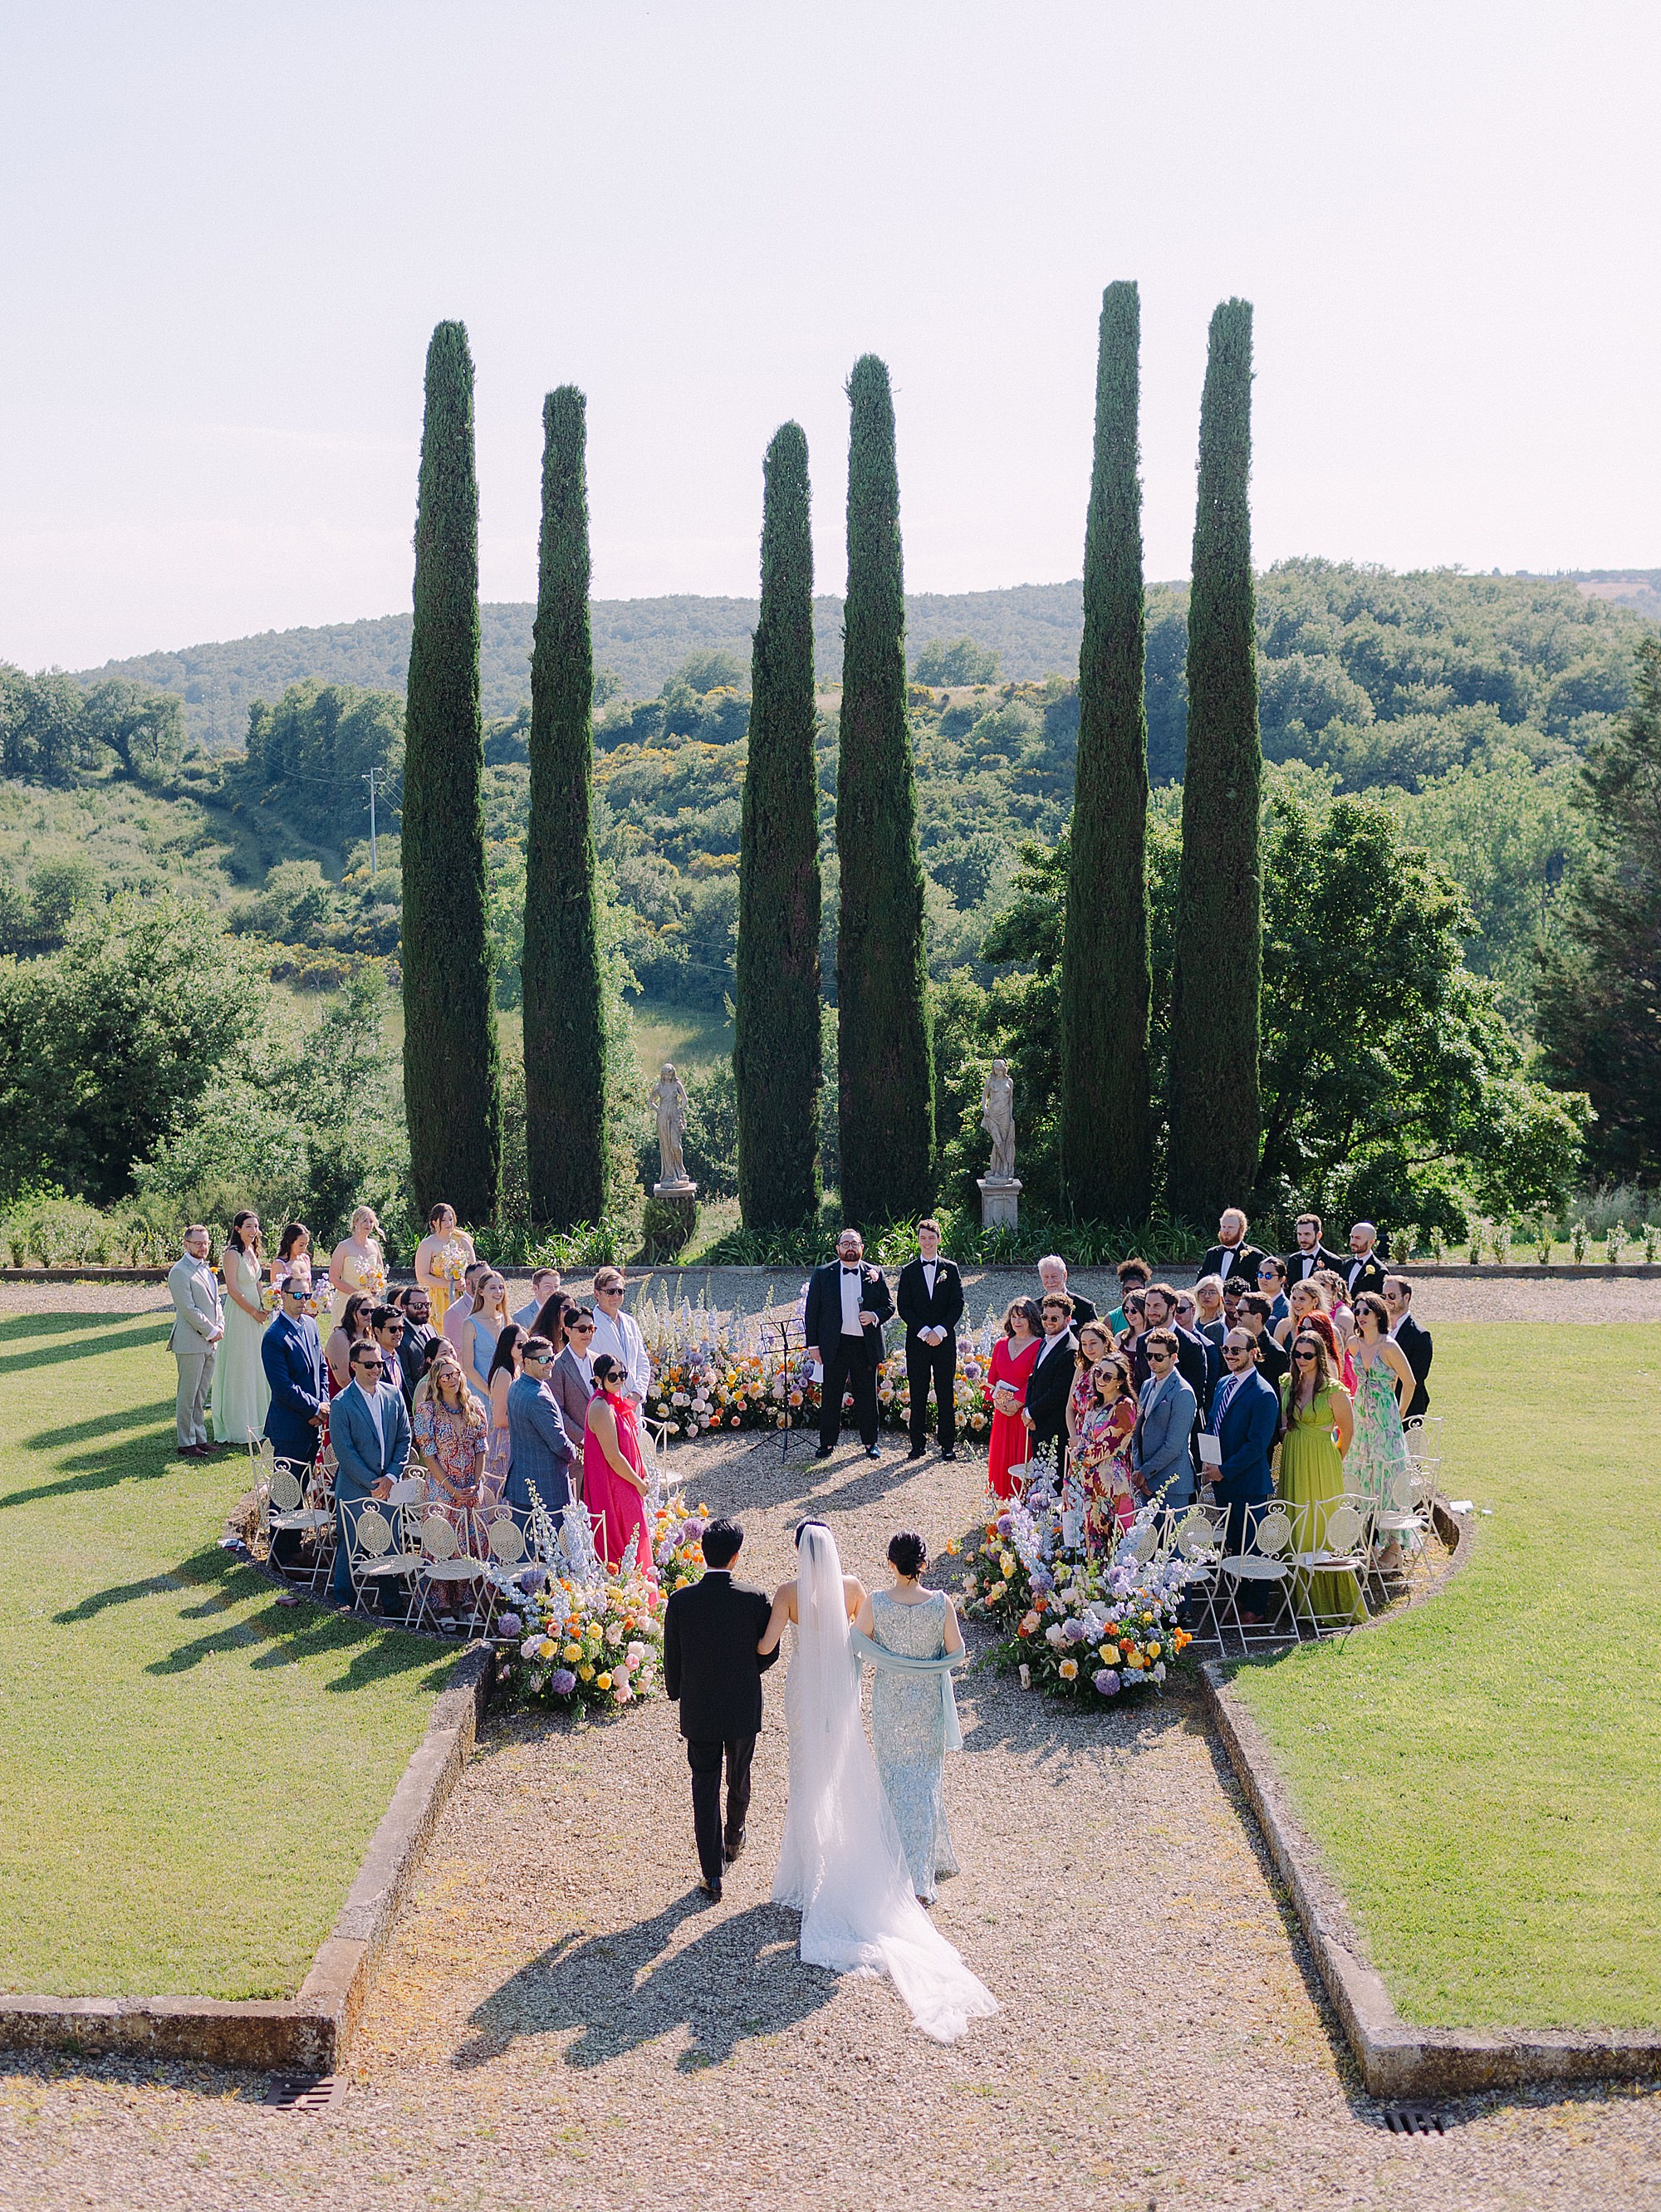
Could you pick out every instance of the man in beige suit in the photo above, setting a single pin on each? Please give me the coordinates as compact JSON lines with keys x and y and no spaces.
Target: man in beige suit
{"x":198,"y":1324}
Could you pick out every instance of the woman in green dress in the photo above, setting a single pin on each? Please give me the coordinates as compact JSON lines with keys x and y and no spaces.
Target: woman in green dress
{"x":1318,"y":1424}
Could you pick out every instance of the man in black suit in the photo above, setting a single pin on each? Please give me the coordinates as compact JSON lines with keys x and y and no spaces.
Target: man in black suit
{"x":930,"y":1297}
{"x":1257,"y":1318}
{"x":710,"y":1630}
{"x":847,"y":1305}
{"x":1052,"y":1281}
{"x":1363,"y":1270}
{"x":1231,"y":1255}
{"x":1415,"y":1341}
{"x":1051,"y":1377}
{"x":1310,"y":1253}
{"x":418,"y":1333}
{"x":1194,"y":1354}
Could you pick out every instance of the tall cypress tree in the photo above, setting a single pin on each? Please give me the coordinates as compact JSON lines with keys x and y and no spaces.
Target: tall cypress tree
{"x":885,"y":1046}
{"x":1106,"y":984}
{"x":775,"y":1054}
{"x":452,"y":1066}
{"x":1217,"y":975}
{"x":564,"y":1015}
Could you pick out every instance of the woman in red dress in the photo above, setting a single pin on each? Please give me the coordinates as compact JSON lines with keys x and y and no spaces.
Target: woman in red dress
{"x":614,"y":1475}
{"x":1013,"y":1358}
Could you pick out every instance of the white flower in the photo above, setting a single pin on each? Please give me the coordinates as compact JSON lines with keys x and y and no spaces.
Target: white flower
{"x":1159,"y":1670}
{"x":1055,"y":1633}
{"x":680,"y":1398}
{"x":635,"y":1654}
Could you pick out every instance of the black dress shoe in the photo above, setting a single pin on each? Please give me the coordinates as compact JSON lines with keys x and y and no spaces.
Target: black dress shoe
{"x":917,"y":1451}
{"x":712,"y":1890}
{"x":873,"y":1451}
{"x":949,"y":1451}
{"x":824,"y":1451}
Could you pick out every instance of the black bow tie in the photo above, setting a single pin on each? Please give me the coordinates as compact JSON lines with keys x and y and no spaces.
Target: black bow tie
{"x":850,"y":1270}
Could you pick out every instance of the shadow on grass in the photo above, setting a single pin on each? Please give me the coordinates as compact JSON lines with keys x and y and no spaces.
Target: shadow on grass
{"x":101,"y":1424}
{"x":100,"y":1333}
{"x":739,"y":1977}
{"x":149,"y":1462}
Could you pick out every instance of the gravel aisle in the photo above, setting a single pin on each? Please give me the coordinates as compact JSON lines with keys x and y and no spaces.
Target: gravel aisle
{"x":563,"y":2020}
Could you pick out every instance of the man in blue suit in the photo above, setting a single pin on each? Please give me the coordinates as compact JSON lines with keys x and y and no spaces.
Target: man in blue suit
{"x":291,"y":1352}
{"x":1165,"y":1413}
{"x":1245,"y":1415}
{"x":370,"y":1430}
{"x":540,"y":1452}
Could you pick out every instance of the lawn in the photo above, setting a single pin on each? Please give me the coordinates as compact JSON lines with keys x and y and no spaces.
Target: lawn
{"x":692,"y":1036}
{"x":1484,"y":1775}
{"x":189,"y":1772}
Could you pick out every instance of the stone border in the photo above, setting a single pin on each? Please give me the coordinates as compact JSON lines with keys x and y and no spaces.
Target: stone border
{"x":312,"y":2033}
{"x":1396,"y":2058}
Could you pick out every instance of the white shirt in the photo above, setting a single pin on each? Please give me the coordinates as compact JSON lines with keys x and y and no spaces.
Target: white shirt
{"x":622,"y":1337}
{"x":930,"y":1269}
{"x":853,"y":1299}
{"x":1047,"y":1347}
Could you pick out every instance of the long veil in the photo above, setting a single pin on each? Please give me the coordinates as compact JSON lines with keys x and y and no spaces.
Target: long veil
{"x":841,"y":1865}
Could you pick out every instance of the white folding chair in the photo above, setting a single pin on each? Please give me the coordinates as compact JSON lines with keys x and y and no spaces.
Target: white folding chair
{"x":1198,"y":1543}
{"x":444,"y":1563}
{"x":504,"y":1541}
{"x":376,"y":1547}
{"x":1266,"y":1567}
{"x":284,"y":1511}
{"x":1338,"y":1546}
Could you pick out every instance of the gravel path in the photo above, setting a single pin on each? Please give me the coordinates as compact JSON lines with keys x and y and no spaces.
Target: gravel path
{"x":562,"y":2020}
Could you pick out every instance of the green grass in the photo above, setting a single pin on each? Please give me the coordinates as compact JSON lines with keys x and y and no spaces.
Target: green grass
{"x":189,"y":1772}
{"x":692,"y":1036}
{"x":1484,"y":1775}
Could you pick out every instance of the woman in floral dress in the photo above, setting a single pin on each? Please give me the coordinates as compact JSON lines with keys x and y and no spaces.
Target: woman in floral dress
{"x":1102,"y":1456}
{"x":1377,"y":1468}
{"x":449,"y":1435}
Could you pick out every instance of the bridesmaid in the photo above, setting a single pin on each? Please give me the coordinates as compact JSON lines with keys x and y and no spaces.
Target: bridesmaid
{"x":1013,"y":1358}
{"x":294,"y":1255}
{"x":908,"y":1715}
{"x":614,"y":1474}
{"x":358,"y":1263}
{"x":442,"y":1258}
{"x":1319,"y":1423}
{"x":240,"y":1392}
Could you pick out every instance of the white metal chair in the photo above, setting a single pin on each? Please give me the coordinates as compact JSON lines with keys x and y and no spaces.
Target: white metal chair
{"x":505,"y":1543}
{"x":1196,"y":1541}
{"x":281,"y":1493}
{"x":1331,"y":1540}
{"x":377,"y":1550}
{"x":443,"y":1562}
{"x":1264,"y":1566}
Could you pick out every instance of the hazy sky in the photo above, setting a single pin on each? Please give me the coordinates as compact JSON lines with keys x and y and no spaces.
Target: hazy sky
{"x":227,"y":233}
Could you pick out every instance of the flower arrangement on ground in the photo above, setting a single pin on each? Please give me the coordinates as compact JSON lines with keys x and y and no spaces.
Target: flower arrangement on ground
{"x":601,"y":1646}
{"x":678,"y":1542}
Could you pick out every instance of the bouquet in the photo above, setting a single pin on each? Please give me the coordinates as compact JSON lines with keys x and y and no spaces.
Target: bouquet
{"x":601,"y":1646}
{"x":677,"y":1543}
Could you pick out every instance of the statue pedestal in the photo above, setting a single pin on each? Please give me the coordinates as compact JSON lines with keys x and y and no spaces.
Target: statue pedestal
{"x":1000,"y":1201}
{"x":671,"y":1220}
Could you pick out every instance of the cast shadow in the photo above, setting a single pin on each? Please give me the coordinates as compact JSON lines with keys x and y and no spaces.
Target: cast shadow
{"x":101,"y":1424}
{"x":112,"y":1333}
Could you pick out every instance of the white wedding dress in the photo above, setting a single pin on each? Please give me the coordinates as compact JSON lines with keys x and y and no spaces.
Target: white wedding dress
{"x":841,"y":1865}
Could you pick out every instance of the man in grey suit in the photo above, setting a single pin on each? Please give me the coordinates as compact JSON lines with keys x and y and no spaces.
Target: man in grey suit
{"x":198,"y":1324}
{"x":1166,"y":1414}
{"x":571,"y":1379}
{"x":370,"y":1433}
{"x":540,"y":1450}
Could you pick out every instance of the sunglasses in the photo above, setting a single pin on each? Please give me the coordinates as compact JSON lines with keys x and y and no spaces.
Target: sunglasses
{"x":1304,"y":1355}
{"x":580,"y":1328}
{"x":368,"y":1366}
{"x":1235,"y":1351}
{"x":1158,"y":1353}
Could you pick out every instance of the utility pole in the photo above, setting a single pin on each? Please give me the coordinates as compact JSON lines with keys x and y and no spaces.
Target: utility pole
{"x":369,"y":778}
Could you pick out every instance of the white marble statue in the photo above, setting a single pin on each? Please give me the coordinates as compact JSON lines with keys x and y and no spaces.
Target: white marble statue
{"x":668,"y":1100}
{"x":997,"y":1119}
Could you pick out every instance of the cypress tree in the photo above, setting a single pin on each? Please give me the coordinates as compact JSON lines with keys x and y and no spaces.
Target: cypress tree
{"x":563,"y":1014}
{"x":1106,"y":984}
{"x":451,"y":1065}
{"x":885,"y":1048}
{"x":1217,"y":972}
{"x":775,"y":1054}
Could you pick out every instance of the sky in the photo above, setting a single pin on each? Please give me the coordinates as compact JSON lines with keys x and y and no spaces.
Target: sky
{"x":226,"y":234}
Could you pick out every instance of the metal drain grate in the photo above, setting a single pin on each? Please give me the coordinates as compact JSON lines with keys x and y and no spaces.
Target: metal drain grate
{"x":305,"y":2092}
{"x":1412,"y":2120}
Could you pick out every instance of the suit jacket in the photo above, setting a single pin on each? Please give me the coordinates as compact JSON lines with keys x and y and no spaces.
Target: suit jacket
{"x":572,"y":1392}
{"x":1273,"y":1360}
{"x":367,"y":1452}
{"x":1083,"y":1309}
{"x":916,"y":1308}
{"x":710,"y":1630}
{"x":1361,"y":1275}
{"x":1300,"y":1265}
{"x":540,"y":1452}
{"x":823,"y":1320}
{"x":1158,"y":1446}
{"x":411,"y":1358}
{"x":291,"y":1352}
{"x":1244,"y":1260}
{"x":198,"y":1309}
{"x":1047,"y":1387}
{"x":1247,"y":1437}
{"x":1418,"y":1350}
{"x":1197,"y":1360}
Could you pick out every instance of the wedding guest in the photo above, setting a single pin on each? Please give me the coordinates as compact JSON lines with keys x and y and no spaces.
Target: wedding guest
{"x":848,"y":1302}
{"x":928,"y":1299}
{"x":1245,"y":1417}
{"x":1167,"y":1411}
{"x":194,"y":1339}
{"x":1317,"y":1425}
{"x":1415,"y":1341}
{"x":1209,"y":1320}
{"x":442,"y":1259}
{"x":1185,"y":1313}
{"x":418,"y":1333}
{"x":544,"y":1282}
{"x":450,"y":1427}
{"x":619,"y":1334}
{"x":1136,"y":1330}
{"x":1233,"y":1290}
{"x":1364,"y":1270}
{"x":291,"y":1353}
{"x":352,"y":1327}
{"x":1133,"y":1275}
{"x":1232,"y":1254}
{"x":369,"y":1430}
{"x":1051,"y":1377}
{"x":294,"y":1255}
{"x":540,"y":1454}
{"x":500,"y":1377}
{"x":551,"y":1321}
{"x":1096,"y":1342}
{"x":908,"y":1721}
{"x":1378,"y":1466}
{"x":572,"y":1377}
{"x":482,"y":1330}
{"x":1194,"y":1353}
{"x":240,"y":1392}
{"x":460,"y":1310}
{"x":1336,"y":1298}
{"x":386,"y":1326}
{"x":1014,"y":1356}
{"x":614,"y":1474}
{"x":1272,"y":1357}
{"x":1102,"y":1457}
{"x":1052,"y":1282}
{"x":1271,"y":1282}
{"x":1303,"y":1298}
{"x":1310,"y":1253}
{"x":358,"y":1263}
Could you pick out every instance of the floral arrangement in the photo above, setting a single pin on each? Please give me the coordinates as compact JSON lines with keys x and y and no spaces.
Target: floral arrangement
{"x":677,"y":1545}
{"x":1076,"y":1626}
{"x":601,"y":1646}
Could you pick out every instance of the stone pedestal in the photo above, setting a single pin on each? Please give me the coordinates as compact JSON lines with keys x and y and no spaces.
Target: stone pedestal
{"x":671,"y":1220}
{"x":1000,"y":1201}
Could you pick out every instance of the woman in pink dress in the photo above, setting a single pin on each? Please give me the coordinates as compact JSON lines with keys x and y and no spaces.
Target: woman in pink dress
{"x":614,"y":1475}
{"x":1013,"y":1358}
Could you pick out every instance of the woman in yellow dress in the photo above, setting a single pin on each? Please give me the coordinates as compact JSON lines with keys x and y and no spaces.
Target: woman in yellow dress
{"x":442,"y":1258}
{"x":357,"y":1263}
{"x":1319,"y":1421}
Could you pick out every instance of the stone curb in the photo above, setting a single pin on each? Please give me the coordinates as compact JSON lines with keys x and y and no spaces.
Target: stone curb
{"x":310,"y":2033}
{"x":1398,"y":2059}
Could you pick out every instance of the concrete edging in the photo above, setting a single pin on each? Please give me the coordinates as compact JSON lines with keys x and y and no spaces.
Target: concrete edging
{"x":312,"y":2033}
{"x":1396,"y":2058}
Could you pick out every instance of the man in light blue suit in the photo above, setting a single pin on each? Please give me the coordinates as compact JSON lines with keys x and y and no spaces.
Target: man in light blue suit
{"x":1166,"y":1411}
{"x":370,"y":1431}
{"x":1244,"y":1414}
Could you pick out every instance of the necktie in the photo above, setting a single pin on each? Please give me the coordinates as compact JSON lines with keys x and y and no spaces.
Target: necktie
{"x":1227,"y":1400}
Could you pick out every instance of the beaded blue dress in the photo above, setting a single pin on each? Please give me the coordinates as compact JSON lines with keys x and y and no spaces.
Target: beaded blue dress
{"x":908,"y":1731}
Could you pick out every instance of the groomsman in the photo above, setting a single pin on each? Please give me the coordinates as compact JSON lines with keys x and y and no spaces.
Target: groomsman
{"x":1311,"y":1254}
{"x":930,"y":1298}
{"x":1363,"y":1270}
{"x":1414,"y":1340}
{"x":847,"y":1304}
{"x":1231,"y":1255}
{"x":199,"y":1325}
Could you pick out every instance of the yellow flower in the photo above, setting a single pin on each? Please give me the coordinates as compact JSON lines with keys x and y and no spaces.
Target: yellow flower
{"x":586,"y":1672}
{"x":1147,"y":1619}
{"x":1108,"y":1654}
{"x":602,"y":1682}
{"x":571,"y":1654}
{"x":1152,"y":1650}
{"x":1067,"y":1669}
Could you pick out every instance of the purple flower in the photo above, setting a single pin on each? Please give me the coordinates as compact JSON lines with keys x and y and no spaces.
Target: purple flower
{"x":1106,"y":1680}
{"x":1075,"y":1631}
{"x":563,"y":1681}
{"x":509,"y":1623}
{"x":1005,"y":1526}
{"x":1043,"y":1579}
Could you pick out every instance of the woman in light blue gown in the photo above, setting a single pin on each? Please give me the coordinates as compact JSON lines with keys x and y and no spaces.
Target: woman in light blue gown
{"x":908,"y":1719}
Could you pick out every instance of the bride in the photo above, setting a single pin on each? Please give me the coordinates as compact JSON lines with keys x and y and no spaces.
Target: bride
{"x":841,"y":1865}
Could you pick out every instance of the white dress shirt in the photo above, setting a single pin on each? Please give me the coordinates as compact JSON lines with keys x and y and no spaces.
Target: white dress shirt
{"x":853,"y":1299}
{"x":622,"y":1337}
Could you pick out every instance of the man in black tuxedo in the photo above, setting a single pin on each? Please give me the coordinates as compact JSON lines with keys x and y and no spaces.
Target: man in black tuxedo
{"x":847,"y":1305}
{"x":1051,"y":1377}
{"x":710,"y":1630}
{"x":1415,"y":1341}
{"x":418,"y":1333}
{"x":930,"y":1297}
{"x":1052,"y":1282}
{"x":1231,"y":1255}
{"x":1310,"y":1253}
{"x":1363,"y":1270}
